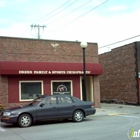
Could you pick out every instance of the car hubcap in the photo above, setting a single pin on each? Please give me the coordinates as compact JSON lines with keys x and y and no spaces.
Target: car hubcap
{"x":25,"y":120}
{"x":78,"y":116}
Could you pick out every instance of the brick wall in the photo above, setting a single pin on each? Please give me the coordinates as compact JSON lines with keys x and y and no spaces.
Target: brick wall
{"x":13,"y":49}
{"x":3,"y":90}
{"x":19,"y":49}
{"x":96,"y":89}
{"x":119,"y":78}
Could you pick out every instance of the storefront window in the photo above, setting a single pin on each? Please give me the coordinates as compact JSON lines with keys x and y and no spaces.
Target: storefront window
{"x":30,"y":90}
{"x":62,"y":87}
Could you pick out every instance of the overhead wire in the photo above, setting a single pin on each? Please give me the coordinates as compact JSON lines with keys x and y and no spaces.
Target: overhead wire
{"x":119,"y":41}
{"x":49,"y":14}
{"x":52,"y":14}
{"x":69,"y":12}
{"x":60,"y":11}
{"x":79,"y":16}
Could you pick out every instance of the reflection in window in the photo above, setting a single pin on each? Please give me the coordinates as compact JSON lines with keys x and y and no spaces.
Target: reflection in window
{"x":30,"y":90}
{"x":50,"y":100}
{"x":65,"y":100}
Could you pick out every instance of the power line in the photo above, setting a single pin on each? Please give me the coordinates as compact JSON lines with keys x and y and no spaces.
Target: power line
{"x":70,"y":12}
{"x":38,"y":26}
{"x":60,"y":11}
{"x":119,"y":41}
{"x":53,"y":11}
{"x":80,"y":16}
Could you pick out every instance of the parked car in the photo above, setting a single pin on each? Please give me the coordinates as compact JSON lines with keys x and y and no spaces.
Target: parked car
{"x":48,"y":107}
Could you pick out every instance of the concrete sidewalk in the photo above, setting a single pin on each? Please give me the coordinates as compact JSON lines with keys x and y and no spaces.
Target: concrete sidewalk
{"x":116,"y":109}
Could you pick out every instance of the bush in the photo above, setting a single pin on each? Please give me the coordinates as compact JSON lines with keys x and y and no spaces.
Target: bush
{"x":1,"y":107}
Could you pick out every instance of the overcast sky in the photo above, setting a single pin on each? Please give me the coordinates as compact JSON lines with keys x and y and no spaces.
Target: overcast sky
{"x":100,"y":21}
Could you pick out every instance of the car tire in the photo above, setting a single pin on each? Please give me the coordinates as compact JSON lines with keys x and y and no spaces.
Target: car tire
{"x":25,"y":120}
{"x":78,"y":116}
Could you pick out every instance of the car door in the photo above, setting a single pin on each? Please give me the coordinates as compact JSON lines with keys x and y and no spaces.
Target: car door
{"x":47,"y":109}
{"x":65,"y":106}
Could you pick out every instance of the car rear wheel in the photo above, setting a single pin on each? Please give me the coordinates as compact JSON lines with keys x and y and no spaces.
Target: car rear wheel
{"x":25,"y":120}
{"x":78,"y":116}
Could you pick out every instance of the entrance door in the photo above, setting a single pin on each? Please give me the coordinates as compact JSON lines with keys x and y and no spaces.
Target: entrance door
{"x":89,"y":88}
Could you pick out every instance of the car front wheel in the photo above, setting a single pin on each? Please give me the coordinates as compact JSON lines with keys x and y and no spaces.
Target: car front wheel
{"x":25,"y":120}
{"x":78,"y":116}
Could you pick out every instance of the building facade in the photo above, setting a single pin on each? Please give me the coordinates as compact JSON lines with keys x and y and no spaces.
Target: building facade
{"x":31,"y":67}
{"x":121,"y":81}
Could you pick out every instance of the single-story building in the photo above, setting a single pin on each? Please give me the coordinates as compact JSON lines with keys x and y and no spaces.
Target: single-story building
{"x":31,"y":67}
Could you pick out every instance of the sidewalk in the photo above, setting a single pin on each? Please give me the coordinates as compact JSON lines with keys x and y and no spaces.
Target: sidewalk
{"x":116,"y":109}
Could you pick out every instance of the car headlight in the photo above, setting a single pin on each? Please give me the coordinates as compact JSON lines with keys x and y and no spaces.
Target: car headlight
{"x":6,"y":113}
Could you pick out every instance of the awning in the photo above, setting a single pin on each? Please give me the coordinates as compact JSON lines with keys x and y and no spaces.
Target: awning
{"x":48,"y":68}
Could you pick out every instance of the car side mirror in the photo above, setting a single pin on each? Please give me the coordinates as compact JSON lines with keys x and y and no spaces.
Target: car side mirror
{"x":42,"y":104}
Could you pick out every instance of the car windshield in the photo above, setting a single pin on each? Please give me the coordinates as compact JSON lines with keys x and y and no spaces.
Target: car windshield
{"x":37,"y":100}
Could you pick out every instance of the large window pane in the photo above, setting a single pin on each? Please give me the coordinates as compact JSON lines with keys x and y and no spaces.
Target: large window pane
{"x":61,"y":88}
{"x":30,"y":90}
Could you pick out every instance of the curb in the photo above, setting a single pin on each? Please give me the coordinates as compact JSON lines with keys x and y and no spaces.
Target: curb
{"x":117,"y":114}
{"x":114,"y":114}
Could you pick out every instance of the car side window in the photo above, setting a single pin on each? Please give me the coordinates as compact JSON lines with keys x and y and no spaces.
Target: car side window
{"x":75,"y":99}
{"x":50,"y":100}
{"x":63,"y":100}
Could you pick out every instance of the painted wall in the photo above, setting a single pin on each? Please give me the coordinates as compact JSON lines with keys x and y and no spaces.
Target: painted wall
{"x":13,"y":82}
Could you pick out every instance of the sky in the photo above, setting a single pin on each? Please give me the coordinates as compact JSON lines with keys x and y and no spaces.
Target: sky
{"x":103,"y":22}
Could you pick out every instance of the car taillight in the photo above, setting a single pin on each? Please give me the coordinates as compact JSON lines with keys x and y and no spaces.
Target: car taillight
{"x":92,"y":105}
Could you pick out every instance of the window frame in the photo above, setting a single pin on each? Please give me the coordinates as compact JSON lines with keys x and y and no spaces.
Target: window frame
{"x":42,"y":93}
{"x":71,"y":85}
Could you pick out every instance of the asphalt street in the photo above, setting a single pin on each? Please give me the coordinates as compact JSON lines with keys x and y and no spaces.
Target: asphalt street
{"x":111,"y":121}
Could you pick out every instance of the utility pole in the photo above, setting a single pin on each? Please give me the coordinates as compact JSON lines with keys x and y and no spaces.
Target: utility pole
{"x":38,"y":27}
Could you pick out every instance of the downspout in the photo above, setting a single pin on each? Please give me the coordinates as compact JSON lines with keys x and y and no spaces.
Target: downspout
{"x":137,"y":70}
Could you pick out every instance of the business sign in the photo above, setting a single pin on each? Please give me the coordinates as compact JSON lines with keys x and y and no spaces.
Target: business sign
{"x":61,"y":88}
{"x":52,"y":72}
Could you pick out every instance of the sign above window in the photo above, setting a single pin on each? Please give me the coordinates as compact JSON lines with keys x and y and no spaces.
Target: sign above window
{"x":52,"y":72}
{"x":48,"y":68}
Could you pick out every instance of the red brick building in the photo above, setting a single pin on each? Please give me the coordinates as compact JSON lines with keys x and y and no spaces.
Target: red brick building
{"x":120,"y":80}
{"x":32,"y":67}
